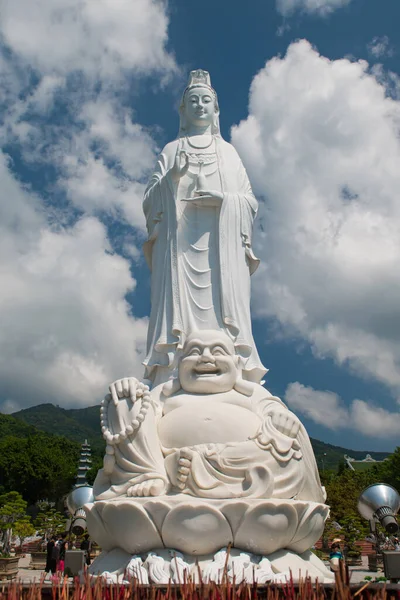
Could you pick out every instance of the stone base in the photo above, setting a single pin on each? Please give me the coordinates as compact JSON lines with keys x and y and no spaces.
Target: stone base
{"x":199,"y":527}
{"x":163,"y":566}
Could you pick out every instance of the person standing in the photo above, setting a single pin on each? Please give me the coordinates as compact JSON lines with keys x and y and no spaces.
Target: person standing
{"x":86,"y":546}
{"x":51,"y":563}
{"x":335,"y":556}
{"x":62,"y":546}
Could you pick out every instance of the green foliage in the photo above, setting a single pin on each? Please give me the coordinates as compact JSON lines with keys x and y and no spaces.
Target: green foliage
{"x":389,"y":470}
{"x":76,"y":424}
{"x":38,"y":466}
{"x":379,"y":579}
{"x":11,"y":426}
{"x":343,"y":490}
{"x":354,"y":528}
{"x":23,"y":528}
{"x":331,"y":457}
{"x":49,"y":521}
{"x":13,"y":517}
{"x":12,"y":509}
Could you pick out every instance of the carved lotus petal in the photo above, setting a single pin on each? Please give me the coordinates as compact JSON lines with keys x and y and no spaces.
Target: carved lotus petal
{"x":97,"y":529}
{"x":132,"y":527}
{"x":196,"y":529}
{"x":311,"y":526}
{"x":266,"y":528}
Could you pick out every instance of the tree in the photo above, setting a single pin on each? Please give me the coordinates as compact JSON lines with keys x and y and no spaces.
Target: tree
{"x":38,"y":466}
{"x":389,"y":470}
{"x":23,"y":528}
{"x":343,"y":490}
{"x":12,"y":516}
{"x":49,"y":521}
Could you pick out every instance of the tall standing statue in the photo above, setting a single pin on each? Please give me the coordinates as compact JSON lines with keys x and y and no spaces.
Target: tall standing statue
{"x":204,"y":457}
{"x":199,"y":210}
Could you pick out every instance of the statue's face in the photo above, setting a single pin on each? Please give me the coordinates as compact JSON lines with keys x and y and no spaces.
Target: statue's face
{"x":208,"y":364}
{"x":199,"y":106}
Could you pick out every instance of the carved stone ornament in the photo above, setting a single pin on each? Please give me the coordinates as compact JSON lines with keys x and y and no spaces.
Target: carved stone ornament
{"x":200,"y":456}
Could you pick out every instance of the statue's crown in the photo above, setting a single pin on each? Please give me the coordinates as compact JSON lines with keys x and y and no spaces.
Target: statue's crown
{"x":199,"y":76}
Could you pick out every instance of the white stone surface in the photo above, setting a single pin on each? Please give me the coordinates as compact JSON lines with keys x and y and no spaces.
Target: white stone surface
{"x":208,"y":433}
{"x":201,"y":526}
{"x":203,"y":456}
{"x":161,"y":566}
{"x":199,"y":210}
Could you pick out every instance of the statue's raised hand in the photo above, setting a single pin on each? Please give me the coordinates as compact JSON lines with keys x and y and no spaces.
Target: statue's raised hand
{"x":124,"y":388}
{"x":181,"y":165}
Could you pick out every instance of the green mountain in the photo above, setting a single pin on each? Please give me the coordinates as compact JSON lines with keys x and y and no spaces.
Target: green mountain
{"x":35,"y":463}
{"x":329,"y":456}
{"x":78,"y":424}
{"x":10,"y":426}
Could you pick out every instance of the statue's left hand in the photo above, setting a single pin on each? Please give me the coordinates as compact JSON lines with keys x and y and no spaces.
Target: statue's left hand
{"x":124,"y":388}
{"x":286,"y":422}
{"x":206,"y":198}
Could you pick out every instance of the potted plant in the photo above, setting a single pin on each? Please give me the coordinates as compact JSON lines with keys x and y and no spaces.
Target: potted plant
{"x":13,"y":519}
{"x":353,"y":529}
{"x":48,"y":522}
{"x":22,"y":529}
{"x":8,"y":565}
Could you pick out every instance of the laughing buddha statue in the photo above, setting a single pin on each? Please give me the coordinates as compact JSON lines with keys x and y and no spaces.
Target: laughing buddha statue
{"x":204,"y":460}
{"x":207,"y":433}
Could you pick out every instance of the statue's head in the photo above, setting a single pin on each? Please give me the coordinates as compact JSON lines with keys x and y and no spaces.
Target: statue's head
{"x":208,"y":364}
{"x":199,"y":104}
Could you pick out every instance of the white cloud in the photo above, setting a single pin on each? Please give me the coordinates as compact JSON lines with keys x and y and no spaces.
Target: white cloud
{"x":327,"y":409}
{"x":111,"y":176}
{"x":99,"y":37}
{"x":321,"y":145}
{"x":67,"y":70}
{"x":322,"y":407}
{"x":379,"y":47}
{"x":321,"y":7}
{"x":66,"y":327}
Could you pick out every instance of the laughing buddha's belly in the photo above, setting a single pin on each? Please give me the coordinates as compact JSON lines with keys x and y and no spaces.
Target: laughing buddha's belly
{"x":204,"y":423}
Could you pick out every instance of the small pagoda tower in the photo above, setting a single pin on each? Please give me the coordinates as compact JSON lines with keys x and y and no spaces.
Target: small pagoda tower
{"x":81,"y":494}
{"x":85,"y":464}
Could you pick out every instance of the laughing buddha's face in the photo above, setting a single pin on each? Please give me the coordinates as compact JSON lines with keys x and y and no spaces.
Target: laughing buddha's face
{"x":208,"y":364}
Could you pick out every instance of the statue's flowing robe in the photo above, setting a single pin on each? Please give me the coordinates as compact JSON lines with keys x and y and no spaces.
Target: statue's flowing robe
{"x":269,"y":464}
{"x":168,"y":326}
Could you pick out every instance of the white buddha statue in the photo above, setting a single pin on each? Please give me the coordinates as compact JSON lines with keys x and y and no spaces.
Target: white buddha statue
{"x":207,"y":433}
{"x":204,"y":456}
{"x":199,"y":210}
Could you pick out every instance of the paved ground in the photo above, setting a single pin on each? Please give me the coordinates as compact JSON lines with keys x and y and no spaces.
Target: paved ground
{"x":28,"y":575}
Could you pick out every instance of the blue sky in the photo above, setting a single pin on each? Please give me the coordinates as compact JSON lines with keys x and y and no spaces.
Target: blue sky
{"x":309,"y":92}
